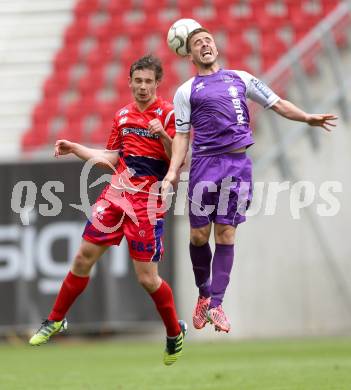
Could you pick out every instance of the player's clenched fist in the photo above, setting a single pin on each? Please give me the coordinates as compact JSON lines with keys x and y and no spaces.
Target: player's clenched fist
{"x":63,"y":147}
{"x":155,"y":127}
{"x":167,"y":184}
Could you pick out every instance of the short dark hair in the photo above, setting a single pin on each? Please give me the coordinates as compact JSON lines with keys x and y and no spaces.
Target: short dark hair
{"x":196,"y":31}
{"x":148,"y":62}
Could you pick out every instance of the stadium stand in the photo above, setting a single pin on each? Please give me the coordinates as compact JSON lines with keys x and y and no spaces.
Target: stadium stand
{"x":90,"y":70}
{"x":30,"y":34}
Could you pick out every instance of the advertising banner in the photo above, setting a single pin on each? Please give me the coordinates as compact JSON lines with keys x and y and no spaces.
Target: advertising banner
{"x":44,"y":208}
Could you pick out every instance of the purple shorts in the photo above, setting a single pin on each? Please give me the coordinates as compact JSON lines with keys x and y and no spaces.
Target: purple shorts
{"x":220,"y":189}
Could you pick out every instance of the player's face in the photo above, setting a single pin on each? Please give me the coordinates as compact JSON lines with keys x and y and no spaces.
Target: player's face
{"x":143,"y":85}
{"x":203,"y":50}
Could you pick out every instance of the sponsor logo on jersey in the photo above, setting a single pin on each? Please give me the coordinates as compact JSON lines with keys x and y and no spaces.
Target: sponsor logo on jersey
{"x":239,"y":111}
{"x":123,"y":112}
{"x":262,"y":87}
{"x":140,"y":132}
{"x":199,"y":86}
{"x":123,"y":120}
{"x":158,"y":111}
{"x":233,"y":91}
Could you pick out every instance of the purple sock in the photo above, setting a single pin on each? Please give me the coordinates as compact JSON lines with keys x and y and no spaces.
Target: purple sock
{"x":201,"y":257}
{"x":223,"y":260}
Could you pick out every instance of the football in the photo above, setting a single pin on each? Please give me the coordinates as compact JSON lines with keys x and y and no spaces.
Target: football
{"x":178,"y":33}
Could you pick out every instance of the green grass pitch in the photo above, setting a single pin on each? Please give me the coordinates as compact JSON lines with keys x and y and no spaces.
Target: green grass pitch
{"x":123,"y":365}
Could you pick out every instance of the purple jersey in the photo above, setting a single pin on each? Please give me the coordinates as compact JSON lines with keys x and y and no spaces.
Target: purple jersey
{"x":215,"y":106}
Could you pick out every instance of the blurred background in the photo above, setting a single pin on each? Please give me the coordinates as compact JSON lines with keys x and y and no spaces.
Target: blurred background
{"x":64,"y":68}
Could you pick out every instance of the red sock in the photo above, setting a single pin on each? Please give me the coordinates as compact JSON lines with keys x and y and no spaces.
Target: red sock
{"x":71,"y":287}
{"x":163,"y":298}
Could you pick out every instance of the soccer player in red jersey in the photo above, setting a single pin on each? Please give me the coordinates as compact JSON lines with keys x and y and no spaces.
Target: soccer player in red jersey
{"x":139,"y":150}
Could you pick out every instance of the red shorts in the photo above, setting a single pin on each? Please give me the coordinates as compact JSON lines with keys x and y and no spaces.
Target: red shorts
{"x":118,"y":213}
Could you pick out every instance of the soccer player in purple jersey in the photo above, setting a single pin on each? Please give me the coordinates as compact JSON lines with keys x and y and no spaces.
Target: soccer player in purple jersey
{"x":214,"y":104}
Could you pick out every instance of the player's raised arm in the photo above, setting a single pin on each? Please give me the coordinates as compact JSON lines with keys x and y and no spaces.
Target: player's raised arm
{"x":64,"y":147}
{"x":259,"y":92}
{"x":288,"y":110}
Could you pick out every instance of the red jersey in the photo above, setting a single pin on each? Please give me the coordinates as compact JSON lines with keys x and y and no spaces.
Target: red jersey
{"x":139,"y":150}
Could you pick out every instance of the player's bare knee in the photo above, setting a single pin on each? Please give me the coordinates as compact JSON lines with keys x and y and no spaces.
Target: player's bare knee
{"x":200,"y":236}
{"x":198,"y":240}
{"x":224,"y":235}
{"x":82,"y":263}
{"x":148,"y":281}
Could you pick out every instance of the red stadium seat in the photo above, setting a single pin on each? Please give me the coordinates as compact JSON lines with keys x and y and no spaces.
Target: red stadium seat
{"x":328,"y":6}
{"x":103,"y":32}
{"x":237,"y":48}
{"x":41,"y":114}
{"x":300,"y":16}
{"x":224,"y":3}
{"x":88,"y":103}
{"x":186,"y":7}
{"x":85,"y":7}
{"x":135,"y":31}
{"x":132,"y":53}
{"x":35,"y":137}
{"x":76,"y":31}
{"x":72,"y":131}
{"x":65,"y":57}
{"x":99,"y":136}
{"x":153,"y":6}
{"x":89,"y":84}
{"x":274,"y":46}
{"x":266,"y":18}
{"x":153,"y":24}
{"x":124,"y":96}
{"x":73,"y":111}
{"x":118,"y":7}
{"x":106,"y":110}
{"x":55,"y":84}
{"x":244,"y":15}
{"x":120,"y":84}
{"x":271,"y":50}
{"x":169,"y":83}
{"x":99,"y":56}
{"x":116,"y":26}
{"x":162,"y":51}
{"x":238,"y":64}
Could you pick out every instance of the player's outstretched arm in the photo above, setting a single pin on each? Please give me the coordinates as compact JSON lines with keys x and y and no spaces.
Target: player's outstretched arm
{"x":64,"y":147}
{"x":180,"y":146}
{"x":290,"y":111}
